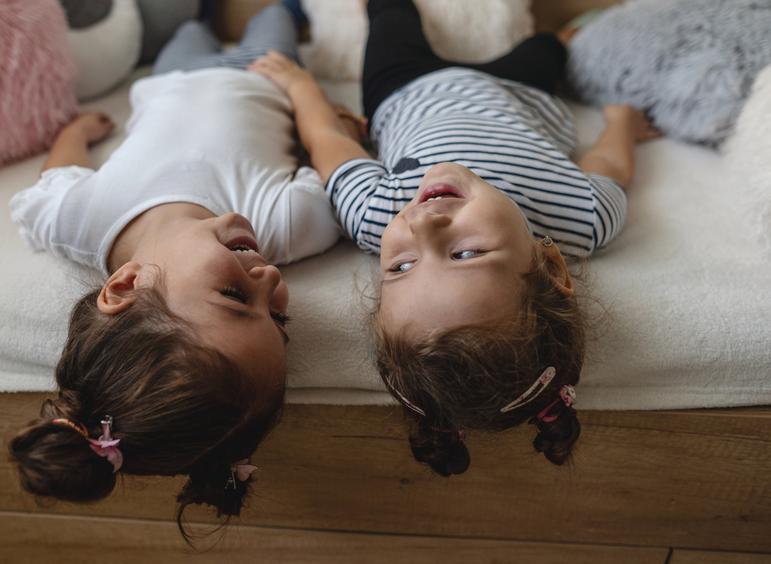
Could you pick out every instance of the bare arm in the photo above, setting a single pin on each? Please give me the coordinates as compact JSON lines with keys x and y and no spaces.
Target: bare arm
{"x":612,"y":155}
{"x":71,"y":144}
{"x":328,"y":140}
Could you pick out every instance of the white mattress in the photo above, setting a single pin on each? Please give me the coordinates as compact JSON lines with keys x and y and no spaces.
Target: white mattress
{"x":686,"y":311}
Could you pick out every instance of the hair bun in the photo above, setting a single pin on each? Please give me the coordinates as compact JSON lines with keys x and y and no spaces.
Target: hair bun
{"x":555,"y":439}
{"x":444,"y":451}
{"x":66,"y":405}
{"x":214,"y":484}
{"x":56,"y":461}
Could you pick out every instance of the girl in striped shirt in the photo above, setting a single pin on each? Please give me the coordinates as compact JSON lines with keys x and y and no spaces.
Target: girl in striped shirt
{"x":470,"y":205}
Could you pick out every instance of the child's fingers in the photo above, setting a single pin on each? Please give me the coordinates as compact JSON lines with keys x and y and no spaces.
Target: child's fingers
{"x":650,"y":133}
{"x":277,"y":55}
{"x":105,"y":120}
{"x":101,"y":119}
{"x":265,"y":64}
{"x":268,"y":59}
{"x":92,"y":116}
{"x":265,"y":60}
{"x":99,"y":122}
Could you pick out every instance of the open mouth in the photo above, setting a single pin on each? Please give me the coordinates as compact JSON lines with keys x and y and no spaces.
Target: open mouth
{"x":242,"y":244}
{"x":439,"y":192}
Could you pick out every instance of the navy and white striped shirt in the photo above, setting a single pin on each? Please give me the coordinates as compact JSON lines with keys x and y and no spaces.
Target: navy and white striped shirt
{"x":514,"y":137}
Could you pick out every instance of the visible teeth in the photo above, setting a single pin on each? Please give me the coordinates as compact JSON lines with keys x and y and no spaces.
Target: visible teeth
{"x":435,"y":198}
{"x":241,"y":249}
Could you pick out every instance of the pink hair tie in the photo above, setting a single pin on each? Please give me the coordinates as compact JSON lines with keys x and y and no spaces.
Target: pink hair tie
{"x":567,"y":396}
{"x":241,"y":471}
{"x":107,"y":447}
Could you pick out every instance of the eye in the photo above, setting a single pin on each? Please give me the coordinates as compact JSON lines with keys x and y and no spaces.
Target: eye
{"x":403,"y":266}
{"x":280,"y":318}
{"x":467,"y":254}
{"x":235,"y":294}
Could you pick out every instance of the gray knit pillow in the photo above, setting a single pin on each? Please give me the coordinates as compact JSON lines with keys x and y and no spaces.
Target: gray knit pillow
{"x":689,"y":63}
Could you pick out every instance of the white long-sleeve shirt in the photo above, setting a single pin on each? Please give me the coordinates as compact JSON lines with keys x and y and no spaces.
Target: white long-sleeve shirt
{"x":219,"y":138}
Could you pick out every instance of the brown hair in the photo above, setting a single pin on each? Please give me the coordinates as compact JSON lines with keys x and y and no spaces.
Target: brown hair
{"x":461,"y":378}
{"x":178,"y":408}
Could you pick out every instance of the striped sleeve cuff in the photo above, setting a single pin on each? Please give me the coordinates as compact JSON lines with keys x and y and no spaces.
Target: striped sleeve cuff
{"x":610,"y":209}
{"x":350,"y":188}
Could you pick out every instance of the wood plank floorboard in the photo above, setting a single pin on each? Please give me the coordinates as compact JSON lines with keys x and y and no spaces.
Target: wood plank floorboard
{"x":73,"y":540}
{"x":685,"y":479}
{"x":702,"y":557}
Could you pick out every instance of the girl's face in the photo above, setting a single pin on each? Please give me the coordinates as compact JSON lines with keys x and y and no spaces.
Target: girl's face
{"x":215,"y":279}
{"x":453,"y":256}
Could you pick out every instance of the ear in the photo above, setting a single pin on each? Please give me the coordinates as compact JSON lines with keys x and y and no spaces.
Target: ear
{"x":558,"y":269}
{"x":117,"y":294}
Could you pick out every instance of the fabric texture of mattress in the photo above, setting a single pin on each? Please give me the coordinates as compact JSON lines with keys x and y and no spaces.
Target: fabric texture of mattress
{"x":681,"y":313}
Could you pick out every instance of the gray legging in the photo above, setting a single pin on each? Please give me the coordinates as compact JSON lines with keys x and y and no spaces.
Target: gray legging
{"x":195,"y":47}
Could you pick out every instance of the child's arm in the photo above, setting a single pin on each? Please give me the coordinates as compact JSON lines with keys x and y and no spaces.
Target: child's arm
{"x":72,"y":142}
{"x":322,"y":132}
{"x":612,"y":155}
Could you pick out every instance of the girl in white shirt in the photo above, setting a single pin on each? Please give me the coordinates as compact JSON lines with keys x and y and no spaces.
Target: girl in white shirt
{"x":183,"y":347}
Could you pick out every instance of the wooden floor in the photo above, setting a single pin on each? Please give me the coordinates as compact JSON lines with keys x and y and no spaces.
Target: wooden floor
{"x":66,"y":539}
{"x":337,"y":484}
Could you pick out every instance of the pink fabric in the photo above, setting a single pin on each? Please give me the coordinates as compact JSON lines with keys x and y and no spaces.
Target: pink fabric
{"x":37,"y":93}
{"x":243,"y":469}
{"x":108,"y":448}
{"x":567,"y":396}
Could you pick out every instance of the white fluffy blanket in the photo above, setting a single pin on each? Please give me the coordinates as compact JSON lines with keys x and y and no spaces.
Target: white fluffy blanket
{"x":749,"y":156}
{"x":688,"y":318}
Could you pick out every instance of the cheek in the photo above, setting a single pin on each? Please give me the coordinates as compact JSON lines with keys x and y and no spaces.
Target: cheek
{"x":393,"y":237}
{"x":210,"y":264}
{"x":497,"y":216}
{"x":281,"y":296}
{"x":195,"y":251}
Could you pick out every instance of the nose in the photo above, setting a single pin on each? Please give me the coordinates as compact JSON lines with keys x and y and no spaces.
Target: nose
{"x":427,"y":223}
{"x":267,"y":276}
{"x":267,"y":279}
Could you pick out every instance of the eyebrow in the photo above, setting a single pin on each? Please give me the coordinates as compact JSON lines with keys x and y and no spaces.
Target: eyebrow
{"x":238,"y":312}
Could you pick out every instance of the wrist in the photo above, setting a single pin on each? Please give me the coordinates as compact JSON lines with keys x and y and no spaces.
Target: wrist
{"x":302,"y":84}
{"x":74,"y":133}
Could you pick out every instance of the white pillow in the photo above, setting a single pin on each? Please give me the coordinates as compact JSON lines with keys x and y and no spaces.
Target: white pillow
{"x":106,"y":53}
{"x":747,"y":152}
{"x":457,"y":30}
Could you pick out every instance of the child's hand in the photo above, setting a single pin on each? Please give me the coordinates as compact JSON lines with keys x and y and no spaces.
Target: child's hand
{"x":93,"y":126}
{"x":642,"y":127}
{"x":284,"y":72}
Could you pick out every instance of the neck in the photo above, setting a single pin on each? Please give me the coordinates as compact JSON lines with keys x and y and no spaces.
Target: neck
{"x":142,"y":235}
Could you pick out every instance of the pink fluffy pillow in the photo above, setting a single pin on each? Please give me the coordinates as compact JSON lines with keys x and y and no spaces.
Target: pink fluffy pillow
{"x":37,"y":93}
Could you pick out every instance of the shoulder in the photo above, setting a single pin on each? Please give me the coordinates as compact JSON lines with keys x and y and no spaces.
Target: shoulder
{"x":311,"y":224}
